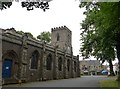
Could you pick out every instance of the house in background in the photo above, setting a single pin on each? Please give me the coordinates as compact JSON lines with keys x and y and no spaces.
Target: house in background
{"x":89,"y":67}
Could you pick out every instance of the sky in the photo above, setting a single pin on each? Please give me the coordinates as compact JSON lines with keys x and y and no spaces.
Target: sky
{"x":61,"y":12}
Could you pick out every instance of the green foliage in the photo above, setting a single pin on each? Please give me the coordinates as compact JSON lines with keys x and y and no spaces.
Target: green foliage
{"x":29,"y":5}
{"x":28,"y":33}
{"x":92,"y":71}
{"x":81,"y":74}
{"x":99,"y":29}
{"x":45,"y":36}
{"x":20,"y":32}
{"x":109,"y":83}
{"x":5,"y":5}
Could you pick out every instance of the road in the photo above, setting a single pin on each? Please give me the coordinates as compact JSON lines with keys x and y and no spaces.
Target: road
{"x":84,"y":81}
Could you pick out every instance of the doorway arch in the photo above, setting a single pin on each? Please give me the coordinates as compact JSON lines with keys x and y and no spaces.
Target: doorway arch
{"x":10,"y":64}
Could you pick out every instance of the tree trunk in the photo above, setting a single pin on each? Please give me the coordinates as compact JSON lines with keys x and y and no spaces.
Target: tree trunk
{"x":111,"y":68}
{"x":118,"y":52}
{"x":118,"y":56}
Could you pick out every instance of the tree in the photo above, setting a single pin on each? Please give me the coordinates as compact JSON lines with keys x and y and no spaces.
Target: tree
{"x":45,"y":36}
{"x":5,"y":5}
{"x":101,"y":30}
{"x":20,"y":32}
{"x":28,"y":33}
{"x":92,"y":47}
{"x":42,"y":4}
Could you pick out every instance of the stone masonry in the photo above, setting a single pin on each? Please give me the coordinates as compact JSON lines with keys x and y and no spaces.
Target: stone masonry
{"x":25,"y":59}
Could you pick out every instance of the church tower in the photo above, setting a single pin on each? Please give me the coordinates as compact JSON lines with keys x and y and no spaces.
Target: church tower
{"x":62,"y":37}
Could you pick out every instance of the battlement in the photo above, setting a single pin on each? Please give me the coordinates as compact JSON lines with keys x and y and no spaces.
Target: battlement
{"x":24,"y":51}
{"x":60,"y":28}
{"x":62,"y":37}
{"x":11,"y":33}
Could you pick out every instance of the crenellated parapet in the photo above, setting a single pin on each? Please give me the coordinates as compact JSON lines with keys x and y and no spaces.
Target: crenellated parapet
{"x":12,"y":36}
{"x":60,"y":28}
{"x":21,"y":48}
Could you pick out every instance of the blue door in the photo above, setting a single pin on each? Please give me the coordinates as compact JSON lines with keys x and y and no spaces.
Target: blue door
{"x":6,"y":69}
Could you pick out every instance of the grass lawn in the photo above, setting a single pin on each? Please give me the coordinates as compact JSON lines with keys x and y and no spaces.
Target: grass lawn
{"x":110,"y":84}
{"x":112,"y":76}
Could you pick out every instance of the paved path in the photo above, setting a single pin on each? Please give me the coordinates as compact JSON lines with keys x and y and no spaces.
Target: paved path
{"x":84,"y":81}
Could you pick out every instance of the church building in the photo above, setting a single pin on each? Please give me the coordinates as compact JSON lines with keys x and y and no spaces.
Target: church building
{"x":25,"y":59}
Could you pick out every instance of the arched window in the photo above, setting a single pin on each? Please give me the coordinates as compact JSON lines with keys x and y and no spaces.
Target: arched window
{"x":60,"y":64}
{"x":75,"y":66}
{"x":58,"y":37}
{"x":49,"y":62}
{"x":68,"y":65}
{"x":34,"y":60}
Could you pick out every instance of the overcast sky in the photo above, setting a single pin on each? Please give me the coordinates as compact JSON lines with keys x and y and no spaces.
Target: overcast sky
{"x":61,"y":12}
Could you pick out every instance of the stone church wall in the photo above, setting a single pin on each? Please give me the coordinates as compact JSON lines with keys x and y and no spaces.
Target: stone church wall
{"x":20,"y":50}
